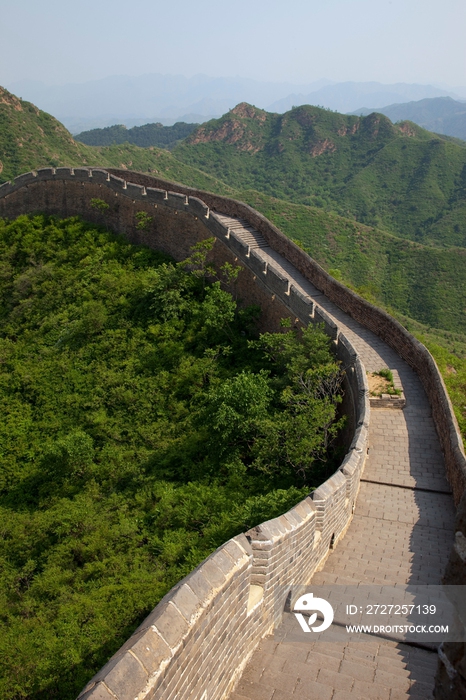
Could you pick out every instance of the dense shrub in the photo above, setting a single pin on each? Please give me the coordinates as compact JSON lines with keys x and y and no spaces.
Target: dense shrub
{"x":144,"y":422}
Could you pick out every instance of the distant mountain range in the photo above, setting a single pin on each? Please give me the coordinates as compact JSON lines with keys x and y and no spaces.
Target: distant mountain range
{"x":442,"y":115}
{"x":342,"y":97}
{"x":134,"y":101}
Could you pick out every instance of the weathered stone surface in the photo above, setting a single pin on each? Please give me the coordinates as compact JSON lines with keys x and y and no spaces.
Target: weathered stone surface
{"x":302,"y":305}
{"x":79,"y":173}
{"x":97,"y":175}
{"x":330,"y":327}
{"x":6,"y":188}
{"x":216,"y":226}
{"x":48,"y":173}
{"x":134,"y":191}
{"x":177,"y":201}
{"x":126,"y":678}
{"x":305,"y":509}
{"x":201,"y":586}
{"x":329,"y":488}
{"x":186,"y":602}
{"x":156,"y":196}
{"x":276,"y":281}
{"x":293,"y":518}
{"x":238,"y":547}
{"x":117,"y":184}
{"x":213,"y":573}
{"x":238,"y":246}
{"x":151,"y":650}
{"x":346,"y":350}
{"x":197,"y":207}
{"x":98,"y":692}
{"x":25,"y":179}
{"x":169,"y":623}
{"x":224,"y":562}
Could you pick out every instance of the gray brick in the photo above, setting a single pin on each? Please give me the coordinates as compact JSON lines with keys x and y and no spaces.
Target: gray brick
{"x":170,"y":623}
{"x":213,"y":573}
{"x":126,"y":678}
{"x":186,"y":601}
{"x":151,"y":650}
{"x":98,"y":692}
{"x":200,"y":586}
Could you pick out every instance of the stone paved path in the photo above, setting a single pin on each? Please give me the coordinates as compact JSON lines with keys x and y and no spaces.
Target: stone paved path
{"x":402,"y":532}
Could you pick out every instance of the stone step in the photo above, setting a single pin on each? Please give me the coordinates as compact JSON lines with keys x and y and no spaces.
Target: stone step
{"x":245,"y":231}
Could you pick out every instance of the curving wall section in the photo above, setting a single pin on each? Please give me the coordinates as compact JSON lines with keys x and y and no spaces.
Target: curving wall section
{"x":195,"y":643}
{"x":373,"y":318}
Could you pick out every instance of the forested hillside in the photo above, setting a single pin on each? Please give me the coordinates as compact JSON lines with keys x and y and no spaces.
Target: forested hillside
{"x":32,"y":139}
{"x":143,"y":136}
{"x":399,"y":177}
{"x":144,"y":422}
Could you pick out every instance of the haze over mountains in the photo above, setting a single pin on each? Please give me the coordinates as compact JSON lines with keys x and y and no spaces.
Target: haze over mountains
{"x":31,"y":139}
{"x":136,"y":100}
{"x":442,"y":115}
{"x":342,"y":96}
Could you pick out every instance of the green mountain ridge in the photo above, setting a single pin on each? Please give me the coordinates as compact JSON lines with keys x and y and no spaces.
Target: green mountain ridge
{"x":143,"y":136}
{"x":383,"y":264}
{"x":398,"y":177}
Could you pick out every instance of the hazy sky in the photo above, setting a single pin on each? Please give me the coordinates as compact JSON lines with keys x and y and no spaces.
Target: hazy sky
{"x":58,"y":41}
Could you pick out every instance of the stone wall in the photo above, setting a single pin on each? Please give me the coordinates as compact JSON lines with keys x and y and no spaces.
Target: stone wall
{"x":197,"y":640}
{"x":190,"y":643}
{"x":195,"y":643}
{"x":373,"y":318}
{"x":450,"y":682}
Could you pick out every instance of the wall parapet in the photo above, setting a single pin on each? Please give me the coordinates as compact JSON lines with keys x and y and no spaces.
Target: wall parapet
{"x":378,"y":321}
{"x":232,"y":596}
{"x":163,"y":654}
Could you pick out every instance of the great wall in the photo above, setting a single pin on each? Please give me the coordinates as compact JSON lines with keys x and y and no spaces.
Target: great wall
{"x":209,"y":638}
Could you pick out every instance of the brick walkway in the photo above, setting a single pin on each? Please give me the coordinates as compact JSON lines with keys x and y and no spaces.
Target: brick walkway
{"x":402,"y":532}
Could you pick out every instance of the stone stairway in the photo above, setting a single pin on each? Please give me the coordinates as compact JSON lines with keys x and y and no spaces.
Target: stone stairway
{"x":402,"y":532}
{"x":247,"y":233}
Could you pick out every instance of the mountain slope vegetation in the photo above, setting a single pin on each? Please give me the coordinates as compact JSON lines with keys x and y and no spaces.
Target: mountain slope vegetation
{"x":397,"y":177}
{"x":419,"y":281}
{"x":32,"y":139}
{"x":144,"y":422}
{"x":143,"y":136}
{"x":423,"y":287}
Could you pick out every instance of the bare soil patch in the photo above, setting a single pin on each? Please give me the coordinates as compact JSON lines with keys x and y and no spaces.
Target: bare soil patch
{"x":378,"y":385}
